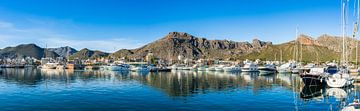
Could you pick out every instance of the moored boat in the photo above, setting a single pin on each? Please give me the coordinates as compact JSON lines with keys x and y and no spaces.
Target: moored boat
{"x":232,"y":68}
{"x":249,"y":67}
{"x":142,"y":68}
{"x":340,"y":79}
{"x":287,"y":67}
{"x":332,"y":68}
{"x":313,"y":78}
{"x":267,"y":69}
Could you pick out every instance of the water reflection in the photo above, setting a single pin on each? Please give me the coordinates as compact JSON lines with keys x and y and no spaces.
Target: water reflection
{"x":189,"y":83}
{"x":176,"y":83}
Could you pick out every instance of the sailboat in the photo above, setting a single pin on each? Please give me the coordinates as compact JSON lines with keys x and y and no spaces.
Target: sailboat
{"x":296,"y":69}
{"x":341,"y":78}
{"x":287,"y":67}
{"x":46,"y":62}
{"x":355,"y":105}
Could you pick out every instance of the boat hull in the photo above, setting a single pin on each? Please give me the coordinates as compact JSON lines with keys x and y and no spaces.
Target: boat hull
{"x":339,"y":80}
{"x":312,"y":80}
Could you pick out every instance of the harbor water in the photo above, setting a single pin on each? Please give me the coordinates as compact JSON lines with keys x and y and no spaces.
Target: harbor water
{"x":35,"y":89}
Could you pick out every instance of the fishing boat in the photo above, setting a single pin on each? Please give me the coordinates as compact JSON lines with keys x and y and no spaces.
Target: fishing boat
{"x":268,"y":68}
{"x":249,"y":67}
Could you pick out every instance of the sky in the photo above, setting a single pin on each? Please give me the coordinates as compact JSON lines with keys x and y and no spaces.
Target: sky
{"x":110,"y":25}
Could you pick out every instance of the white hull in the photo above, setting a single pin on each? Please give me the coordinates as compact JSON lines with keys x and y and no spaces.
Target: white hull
{"x":249,"y":70}
{"x":201,"y":69}
{"x":231,"y":69}
{"x":338,"y":80}
{"x":267,"y":72}
{"x":285,"y":71}
{"x":295,"y":71}
{"x":219,"y":69}
{"x":115,"y":68}
{"x":141,"y":69}
{"x":210,"y":69}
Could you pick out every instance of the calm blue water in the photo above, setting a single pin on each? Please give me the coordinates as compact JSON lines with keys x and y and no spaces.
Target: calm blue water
{"x":32,"y":89}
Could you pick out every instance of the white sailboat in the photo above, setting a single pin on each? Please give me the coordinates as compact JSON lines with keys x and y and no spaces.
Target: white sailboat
{"x":297,"y":68}
{"x":342,"y":78}
{"x":287,"y":67}
{"x":355,"y":105}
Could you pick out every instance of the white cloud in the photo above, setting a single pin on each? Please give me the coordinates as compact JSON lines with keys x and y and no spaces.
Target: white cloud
{"x":10,"y":35}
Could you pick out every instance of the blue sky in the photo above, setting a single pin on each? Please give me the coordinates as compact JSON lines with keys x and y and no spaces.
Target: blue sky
{"x":110,"y":25}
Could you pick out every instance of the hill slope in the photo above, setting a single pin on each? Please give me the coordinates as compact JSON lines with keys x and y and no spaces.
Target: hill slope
{"x":88,"y":54}
{"x":26,"y":50}
{"x":175,"y":44}
{"x":63,"y":51}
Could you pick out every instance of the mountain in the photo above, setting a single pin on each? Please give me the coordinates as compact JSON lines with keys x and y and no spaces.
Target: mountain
{"x":324,"y":48}
{"x":63,"y":51}
{"x":88,"y":54}
{"x":26,"y":50}
{"x":189,"y":46}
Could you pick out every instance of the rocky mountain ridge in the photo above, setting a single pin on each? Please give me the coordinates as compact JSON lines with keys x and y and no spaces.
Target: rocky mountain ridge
{"x":189,"y":46}
{"x":177,"y":43}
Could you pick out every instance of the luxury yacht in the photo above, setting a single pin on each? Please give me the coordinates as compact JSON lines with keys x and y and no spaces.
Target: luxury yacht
{"x":268,"y":68}
{"x":249,"y":67}
{"x":232,"y":68}
{"x":287,"y":67}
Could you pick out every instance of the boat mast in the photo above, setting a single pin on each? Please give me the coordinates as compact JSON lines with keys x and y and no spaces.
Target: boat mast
{"x":295,"y":48}
{"x":45,"y":51}
{"x":356,"y":26}
{"x":280,"y":56}
{"x":296,"y":45}
{"x":298,"y":51}
{"x":343,"y":29}
{"x":301,"y":54}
